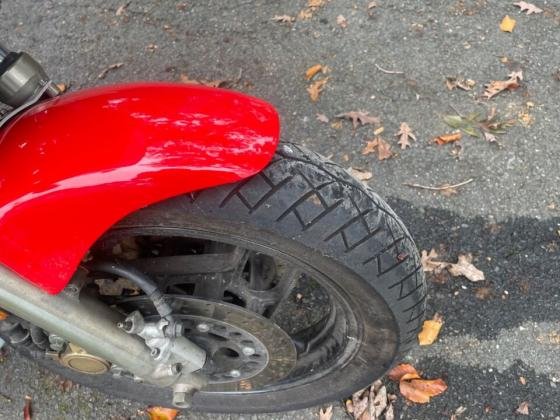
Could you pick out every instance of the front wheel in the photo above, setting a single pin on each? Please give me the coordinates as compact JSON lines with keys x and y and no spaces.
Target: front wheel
{"x":301,"y":284}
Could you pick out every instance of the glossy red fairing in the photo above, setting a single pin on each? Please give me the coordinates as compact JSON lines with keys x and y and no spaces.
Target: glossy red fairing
{"x":73,"y":166}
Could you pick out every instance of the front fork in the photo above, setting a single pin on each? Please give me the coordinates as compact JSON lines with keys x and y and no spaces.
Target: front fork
{"x":88,"y":323}
{"x":23,"y":82}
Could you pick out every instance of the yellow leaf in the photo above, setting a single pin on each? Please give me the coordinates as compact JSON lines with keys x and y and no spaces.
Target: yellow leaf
{"x":3,"y":315}
{"x":430,"y":330}
{"x":448,"y":138}
{"x":507,"y":24}
{"x":312,"y":71}
{"x":162,"y":413}
{"x":316,"y":88}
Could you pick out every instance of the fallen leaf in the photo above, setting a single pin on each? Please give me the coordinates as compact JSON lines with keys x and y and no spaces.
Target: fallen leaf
{"x":460,"y":410}
{"x":498,"y":86}
{"x":528,"y":7}
{"x":523,"y":408}
{"x":121,"y":9}
{"x":315,"y":3}
{"x":381,"y":146}
{"x":507,"y":24}
{"x":108,"y":69}
{"x":305,"y":14}
{"x":413,"y":387}
{"x":283,"y":19}
{"x":399,"y":371}
{"x":27,"y":410}
{"x":313,"y":70}
{"x":360,"y":174}
{"x":522,"y":380}
{"x":151,"y":47}
{"x":378,"y":131}
{"x":371,"y":403}
{"x":359,"y":117}
{"x":448,"y":138}
{"x":372,"y":4}
{"x":460,"y":83}
{"x":341,"y":21}
{"x":429,"y":265}
{"x":337,"y":125}
{"x":325,"y":414}
{"x":430,"y":330}
{"x":162,"y":413}
{"x":473,"y":124}
{"x":464,"y":267}
{"x":322,"y":118}
{"x":421,"y":390}
{"x":316,"y":88}
{"x":3,"y":315}
{"x":184,"y":78}
{"x":404,"y":134}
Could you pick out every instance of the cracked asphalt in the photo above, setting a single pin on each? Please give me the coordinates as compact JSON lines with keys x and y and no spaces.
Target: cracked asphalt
{"x":508,"y":217}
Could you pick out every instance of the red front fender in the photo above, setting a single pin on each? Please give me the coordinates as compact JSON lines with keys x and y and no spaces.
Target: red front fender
{"x":73,"y":166}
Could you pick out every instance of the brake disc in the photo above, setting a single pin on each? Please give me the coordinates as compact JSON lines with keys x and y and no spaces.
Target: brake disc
{"x":245,"y":350}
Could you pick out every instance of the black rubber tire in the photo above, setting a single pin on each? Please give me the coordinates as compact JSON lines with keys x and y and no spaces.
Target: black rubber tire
{"x":310,"y":210}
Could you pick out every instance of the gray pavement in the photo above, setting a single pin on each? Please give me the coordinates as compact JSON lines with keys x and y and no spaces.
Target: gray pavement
{"x":508,"y":217}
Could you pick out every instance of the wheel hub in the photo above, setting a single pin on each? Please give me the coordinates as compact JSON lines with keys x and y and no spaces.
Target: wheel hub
{"x":245,"y":350}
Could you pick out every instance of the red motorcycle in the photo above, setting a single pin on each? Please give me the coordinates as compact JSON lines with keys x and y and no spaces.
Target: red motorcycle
{"x":159,"y":243}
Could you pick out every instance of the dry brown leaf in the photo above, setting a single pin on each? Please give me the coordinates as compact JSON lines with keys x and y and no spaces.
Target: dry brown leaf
{"x":522,"y":380}
{"x":523,"y":408}
{"x":283,"y":19}
{"x":464,"y":267}
{"x":323,"y":118}
{"x":360,"y":174}
{"x":108,"y":69}
{"x":528,"y":7}
{"x":315,"y":3}
{"x":337,"y":125}
{"x":460,"y":83}
{"x":373,"y":403}
{"x":404,"y":134}
{"x":507,"y":24}
{"x":460,"y":410}
{"x":325,"y":414}
{"x":313,"y":70}
{"x":27,"y":410}
{"x":378,"y":131}
{"x":184,"y":78}
{"x":305,"y":14}
{"x":359,"y":117}
{"x":381,"y":146}
{"x":341,"y":21}
{"x":428,"y":263}
{"x":399,"y":371}
{"x":316,"y":88}
{"x":421,"y":390}
{"x":430,"y":330}
{"x":448,"y":138}
{"x":121,"y":9}
{"x":161,"y":413}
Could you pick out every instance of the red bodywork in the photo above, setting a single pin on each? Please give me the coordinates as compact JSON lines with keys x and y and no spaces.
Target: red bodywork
{"x":73,"y":166}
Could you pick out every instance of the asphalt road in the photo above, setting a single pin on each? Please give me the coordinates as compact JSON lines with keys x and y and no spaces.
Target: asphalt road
{"x":508,"y":217}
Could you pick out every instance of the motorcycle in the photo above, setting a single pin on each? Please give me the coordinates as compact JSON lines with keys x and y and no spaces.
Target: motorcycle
{"x":158,"y":242}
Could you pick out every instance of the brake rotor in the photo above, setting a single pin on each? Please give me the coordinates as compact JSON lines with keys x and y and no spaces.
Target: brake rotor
{"x":245,"y":350}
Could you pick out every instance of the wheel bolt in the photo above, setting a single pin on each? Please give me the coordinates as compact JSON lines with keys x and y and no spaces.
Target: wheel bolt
{"x":203,"y":327}
{"x":248,"y":351}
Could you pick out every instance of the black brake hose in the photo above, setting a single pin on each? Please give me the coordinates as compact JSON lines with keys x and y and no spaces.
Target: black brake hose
{"x":140,"y":279}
